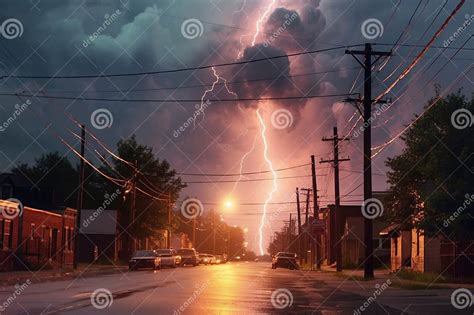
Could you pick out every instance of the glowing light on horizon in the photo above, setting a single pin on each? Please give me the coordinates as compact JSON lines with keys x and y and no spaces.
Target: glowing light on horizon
{"x":274,"y":175}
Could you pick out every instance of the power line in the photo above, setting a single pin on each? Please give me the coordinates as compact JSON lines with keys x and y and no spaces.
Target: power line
{"x":240,"y":174}
{"x":196,"y":85}
{"x":179,"y":100}
{"x":247,"y":180}
{"x":420,"y":55}
{"x":422,"y":46}
{"x":93,"y":76}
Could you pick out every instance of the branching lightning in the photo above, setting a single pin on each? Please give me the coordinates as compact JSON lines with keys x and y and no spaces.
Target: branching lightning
{"x":274,"y":175}
{"x":261,"y":19}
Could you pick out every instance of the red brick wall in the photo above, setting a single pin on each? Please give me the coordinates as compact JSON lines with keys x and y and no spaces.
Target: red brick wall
{"x":43,"y":242}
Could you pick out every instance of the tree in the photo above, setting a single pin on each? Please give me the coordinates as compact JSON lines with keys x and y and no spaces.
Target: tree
{"x":212,"y":230}
{"x":155,"y":177}
{"x":54,"y":174}
{"x":431,"y":179}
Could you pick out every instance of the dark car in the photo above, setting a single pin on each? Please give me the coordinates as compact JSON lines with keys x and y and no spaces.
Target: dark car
{"x":285,"y":260}
{"x":189,"y":256}
{"x":144,"y":259}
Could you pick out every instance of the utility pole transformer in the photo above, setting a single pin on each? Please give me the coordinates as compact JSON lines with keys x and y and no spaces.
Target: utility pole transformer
{"x":367,"y":113}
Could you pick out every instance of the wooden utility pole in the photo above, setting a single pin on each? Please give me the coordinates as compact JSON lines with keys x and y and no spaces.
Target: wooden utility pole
{"x":194,"y":233}
{"x":335,"y":139}
{"x":307,"y":231}
{"x":80,"y":197}
{"x":289,"y":234}
{"x":298,"y":208}
{"x":133,"y":208}
{"x":169,"y":220}
{"x":316,"y":212}
{"x":367,"y":113}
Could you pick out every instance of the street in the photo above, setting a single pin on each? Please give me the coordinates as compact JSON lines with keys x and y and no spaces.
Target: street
{"x":233,"y":288}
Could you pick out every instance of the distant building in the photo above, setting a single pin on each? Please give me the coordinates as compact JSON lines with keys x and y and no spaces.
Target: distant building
{"x":413,"y":250}
{"x":351,"y":225}
{"x":37,"y":238}
{"x":97,"y":236}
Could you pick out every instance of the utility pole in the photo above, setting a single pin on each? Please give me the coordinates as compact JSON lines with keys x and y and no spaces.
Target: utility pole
{"x":80,"y":197}
{"x":367,"y":113}
{"x":298,"y":208}
{"x":289,"y":234}
{"x":307,"y":224}
{"x":316,"y":212}
{"x":335,"y":139}
{"x":214,"y":233}
{"x":194,"y":233}
{"x":133,"y":206}
{"x":169,"y":220}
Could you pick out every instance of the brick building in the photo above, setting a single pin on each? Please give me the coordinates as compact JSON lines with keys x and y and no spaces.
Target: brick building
{"x":35,"y":239}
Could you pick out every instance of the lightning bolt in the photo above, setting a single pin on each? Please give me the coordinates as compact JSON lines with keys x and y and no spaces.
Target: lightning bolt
{"x":211,"y":89}
{"x":242,"y":161}
{"x":261,"y":19}
{"x":274,"y":175}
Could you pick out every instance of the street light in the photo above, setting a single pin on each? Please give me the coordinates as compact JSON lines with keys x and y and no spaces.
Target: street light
{"x":228,"y":203}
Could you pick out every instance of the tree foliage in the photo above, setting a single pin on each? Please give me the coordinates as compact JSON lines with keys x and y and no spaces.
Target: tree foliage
{"x":434,"y":175}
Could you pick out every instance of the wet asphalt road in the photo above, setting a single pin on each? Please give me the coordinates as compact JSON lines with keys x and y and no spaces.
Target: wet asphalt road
{"x":233,"y":288}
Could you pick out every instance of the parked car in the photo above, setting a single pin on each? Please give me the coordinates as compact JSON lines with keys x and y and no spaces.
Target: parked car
{"x":219,"y":259}
{"x":169,"y":257}
{"x":212,"y":259}
{"x":144,"y":259}
{"x":285,"y":260}
{"x":188,"y":256}
{"x":203,"y":259}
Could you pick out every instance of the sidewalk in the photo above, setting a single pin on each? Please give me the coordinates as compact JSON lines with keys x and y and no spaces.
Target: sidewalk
{"x":382,"y":275}
{"x":84,"y":270}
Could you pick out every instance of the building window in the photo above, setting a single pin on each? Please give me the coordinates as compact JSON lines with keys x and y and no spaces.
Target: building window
{"x":7,"y":234}
{"x":395,"y":243}
{"x":71,"y":231}
{"x":417,"y":243}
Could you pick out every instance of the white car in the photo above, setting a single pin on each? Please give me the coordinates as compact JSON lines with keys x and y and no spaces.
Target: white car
{"x":211,"y":259}
{"x":168,"y":257}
